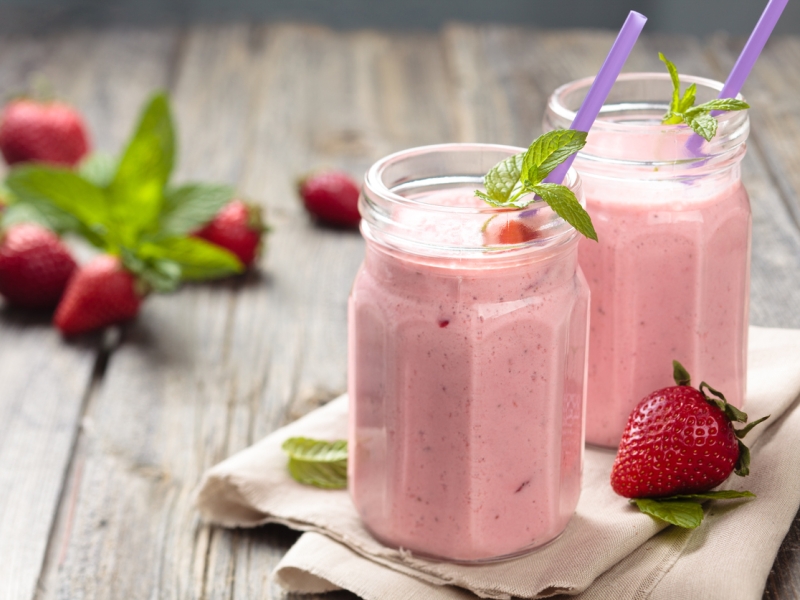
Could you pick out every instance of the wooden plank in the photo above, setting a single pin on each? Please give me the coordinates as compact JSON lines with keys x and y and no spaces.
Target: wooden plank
{"x":83,"y":68}
{"x":45,"y":380}
{"x":41,"y":402}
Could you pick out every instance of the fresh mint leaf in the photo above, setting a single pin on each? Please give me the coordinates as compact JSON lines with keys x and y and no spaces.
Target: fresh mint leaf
{"x":137,"y":191}
{"x":318,"y":463}
{"x":683,"y":513}
{"x":502,"y":182}
{"x":688,"y":99}
{"x":64,"y":198}
{"x":685,"y":510}
{"x":98,"y":168}
{"x":160,"y":274}
{"x":699,"y":118}
{"x":197,"y":259}
{"x":702,"y":124}
{"x":548,"y":151}
{"x":565,"y":204}
{"x":522,"y":174}
{"x":723,"y":104}
{"x":676,"y":83}
{"x":712,"y":495}
{"x":39,"y":212}
{"x":189,"y":207}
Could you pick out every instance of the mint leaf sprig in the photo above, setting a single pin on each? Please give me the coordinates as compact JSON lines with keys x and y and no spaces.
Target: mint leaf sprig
{"x":699,"y":118}
{"x":128,"y":208}
{"x":518,"y":181}
{"x":318,"y":463}
{"x":684,"y":510}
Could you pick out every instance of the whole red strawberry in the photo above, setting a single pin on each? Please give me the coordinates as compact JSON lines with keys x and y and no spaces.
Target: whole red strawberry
{"x":51,"y":132}
{"x":332,"y":197}
{"x":100,"y":293}
{"x":238,"y":227}
{"x":679,"y":440}
{"x":34,"y":266}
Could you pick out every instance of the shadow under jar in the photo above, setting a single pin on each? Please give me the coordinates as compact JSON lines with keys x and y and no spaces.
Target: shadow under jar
{"x":466,"y":363}
{"x":670,"y":276}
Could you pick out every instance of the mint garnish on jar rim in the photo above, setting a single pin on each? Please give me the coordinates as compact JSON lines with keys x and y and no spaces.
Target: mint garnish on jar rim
{"x":683,"y":110}
{"x":512,"y":183}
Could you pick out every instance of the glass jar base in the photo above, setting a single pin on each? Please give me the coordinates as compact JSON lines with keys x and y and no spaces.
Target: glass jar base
{"x":465,"y":561}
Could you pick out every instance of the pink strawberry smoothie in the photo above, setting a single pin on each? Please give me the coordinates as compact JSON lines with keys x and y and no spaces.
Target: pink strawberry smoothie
{"x":669,"y":281}
{"x":669,"y":277}
{"x":466,"y":383}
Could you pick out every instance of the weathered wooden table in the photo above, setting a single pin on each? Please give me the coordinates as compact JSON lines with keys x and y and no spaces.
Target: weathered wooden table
{"x":102,"y":440}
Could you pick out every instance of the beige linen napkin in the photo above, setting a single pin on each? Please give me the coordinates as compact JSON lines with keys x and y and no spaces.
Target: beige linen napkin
{"x":609,"y":550}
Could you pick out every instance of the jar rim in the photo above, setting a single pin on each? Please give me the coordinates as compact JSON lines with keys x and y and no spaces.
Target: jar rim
{"x":556,"y":105}
{"x":418,"y":201}
{"x":374,"y":178}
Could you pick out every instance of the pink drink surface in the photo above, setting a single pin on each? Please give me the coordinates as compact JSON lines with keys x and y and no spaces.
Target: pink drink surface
{"x":669,"y":279}
{"x":466,"y":388}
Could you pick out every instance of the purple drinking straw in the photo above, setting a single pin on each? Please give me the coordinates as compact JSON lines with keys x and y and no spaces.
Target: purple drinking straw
{"x":744,"y":64}
{"x":602,"y":84}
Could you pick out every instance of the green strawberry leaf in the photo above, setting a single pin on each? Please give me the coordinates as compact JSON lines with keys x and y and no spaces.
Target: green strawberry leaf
{"x":99,"y":169}
{"x":197,"y":259}
{"x":683,"y":513}
{"x":136,"y":193}
{"x":65,"y":199}
{"x":502,"y":181}
{"x":189,"y":207}
{"x":565,"y":204}
{"x":680,"y":374}
{"x":740,"y":433}
{"x":702,"y":124}
{"x":318,"y":463}
{"x":733,"y":413}
{"x":548,"y":151}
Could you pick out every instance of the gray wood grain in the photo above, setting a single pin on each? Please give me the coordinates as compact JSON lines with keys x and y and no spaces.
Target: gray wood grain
{"x":45,"y":380}
{"x":41,"y":402}
{"x":207,"y":371}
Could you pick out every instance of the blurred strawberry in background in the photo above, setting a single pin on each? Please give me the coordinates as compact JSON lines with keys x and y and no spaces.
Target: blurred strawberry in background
{"x":35,"y":131}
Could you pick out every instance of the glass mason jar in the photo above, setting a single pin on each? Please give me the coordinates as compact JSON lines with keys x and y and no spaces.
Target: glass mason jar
{"x":670,"y":274}
{"x":467,"y":350}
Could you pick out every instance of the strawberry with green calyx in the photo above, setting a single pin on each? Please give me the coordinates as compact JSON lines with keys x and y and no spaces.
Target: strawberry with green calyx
{"x":35,"y":266}
{"x":127,"y":207}
{"x":699,"y":118}
{"x":238,"y":228}
{"x":42,"y":131}
{"x":678,"y":444}
{"x":100,"y":293}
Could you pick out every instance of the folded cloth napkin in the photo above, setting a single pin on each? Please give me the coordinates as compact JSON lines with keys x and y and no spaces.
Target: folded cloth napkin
{"x":609,"y":549}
